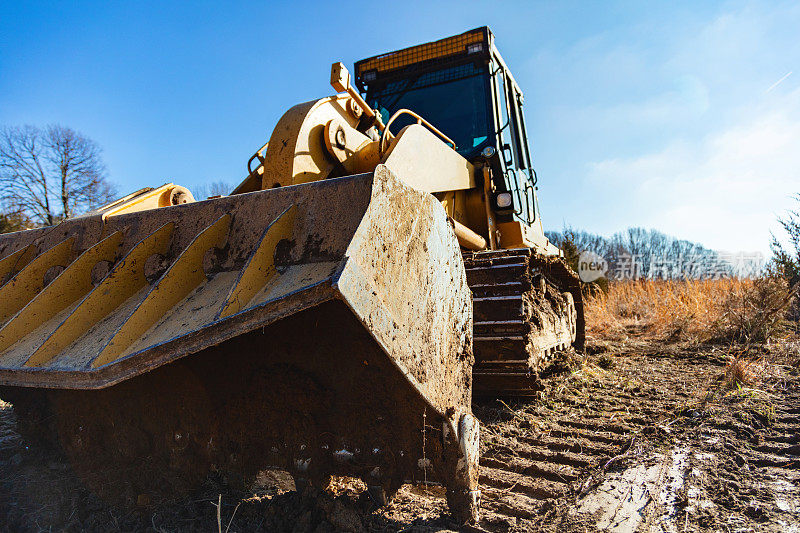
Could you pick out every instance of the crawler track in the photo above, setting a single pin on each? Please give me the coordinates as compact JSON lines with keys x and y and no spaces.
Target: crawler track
{"x":527,"y":307}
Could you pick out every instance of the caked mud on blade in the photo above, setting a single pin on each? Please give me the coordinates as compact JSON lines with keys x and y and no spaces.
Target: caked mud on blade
{"x":308,"y":290}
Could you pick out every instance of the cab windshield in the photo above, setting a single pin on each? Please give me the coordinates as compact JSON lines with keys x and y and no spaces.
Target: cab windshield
{"x":452,"y":99}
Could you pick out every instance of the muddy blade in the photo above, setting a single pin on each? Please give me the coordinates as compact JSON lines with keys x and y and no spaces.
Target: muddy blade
{"x":527,"y":308}
{"x":322,"y":328}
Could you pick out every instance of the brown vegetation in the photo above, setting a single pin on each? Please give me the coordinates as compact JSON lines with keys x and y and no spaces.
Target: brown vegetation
{"x":724,"y":310}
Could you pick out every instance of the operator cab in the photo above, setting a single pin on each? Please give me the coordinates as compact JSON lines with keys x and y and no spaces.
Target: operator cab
{"x":463,"y":87}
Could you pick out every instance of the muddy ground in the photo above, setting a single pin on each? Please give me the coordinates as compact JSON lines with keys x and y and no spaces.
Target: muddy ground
{"x":636,"y":436}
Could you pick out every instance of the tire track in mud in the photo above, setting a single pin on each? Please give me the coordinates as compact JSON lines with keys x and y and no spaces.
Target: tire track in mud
{"x":651,"y":444}
{"x":745,"y":463}
{"x":687,"y":451}
{"x":539,"y":456}
{"x":523,"y":474}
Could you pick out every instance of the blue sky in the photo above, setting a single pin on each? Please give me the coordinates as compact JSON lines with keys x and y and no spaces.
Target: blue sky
{"x":678,"y":116}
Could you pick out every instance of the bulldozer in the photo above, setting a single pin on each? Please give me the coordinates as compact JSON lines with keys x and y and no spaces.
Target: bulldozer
{"x":382,"y":262}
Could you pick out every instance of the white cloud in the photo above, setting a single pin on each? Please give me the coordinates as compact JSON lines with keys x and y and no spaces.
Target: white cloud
{"x":725,"y":190}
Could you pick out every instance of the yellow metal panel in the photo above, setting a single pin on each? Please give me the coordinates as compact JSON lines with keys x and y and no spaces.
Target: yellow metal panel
{"x":518,"y":235}
{"x":425,"y":163}
{"x":75,"y":282}
{"x":152,"y":199}
{"x":512,"y":236}
{"x":16,"y":261}
{"x":296,"y":150}
{"x":144,"y":199}
{"x":125,"y":280}
{"x":260,"y":266}
{"x":448,"y":201}
{"x":27,"y":283}
{"x":185,"y":274}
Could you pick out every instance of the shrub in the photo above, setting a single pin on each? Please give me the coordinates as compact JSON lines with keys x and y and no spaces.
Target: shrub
{"x":786,"y":260}
{"x":737,"y":310}
{"x":755,"y":311}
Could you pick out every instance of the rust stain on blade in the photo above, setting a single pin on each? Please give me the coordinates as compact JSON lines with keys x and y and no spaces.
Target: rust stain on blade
{"x":72,"y":284}
{"x":177,"y":282}
{"x":22,"y":288}
{"x":16,"y":261}
{"x":125,"y":280}
{"x":260,"y":266}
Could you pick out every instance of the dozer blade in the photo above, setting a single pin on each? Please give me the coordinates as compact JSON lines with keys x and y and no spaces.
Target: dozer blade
{"x":324,"y":328}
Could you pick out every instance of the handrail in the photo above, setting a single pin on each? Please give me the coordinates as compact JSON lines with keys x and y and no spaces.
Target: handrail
{"x":260,"y":155}
{"x":420,"y":120}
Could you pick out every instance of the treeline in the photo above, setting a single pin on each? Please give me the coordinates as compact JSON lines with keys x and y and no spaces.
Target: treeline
{"x":638,"y":253}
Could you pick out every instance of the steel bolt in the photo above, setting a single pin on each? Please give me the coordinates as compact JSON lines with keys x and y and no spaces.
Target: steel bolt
{"x":340,"y":137}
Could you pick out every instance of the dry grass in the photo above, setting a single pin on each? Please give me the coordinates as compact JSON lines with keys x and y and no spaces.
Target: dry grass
{"x":743,"y":372}
{"x":739,"y":310}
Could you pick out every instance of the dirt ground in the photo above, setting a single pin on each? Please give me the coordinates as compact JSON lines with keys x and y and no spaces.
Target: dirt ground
{"x":636,"y":436}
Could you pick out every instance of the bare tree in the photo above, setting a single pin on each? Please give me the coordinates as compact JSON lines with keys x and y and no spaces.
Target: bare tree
{"x":657,"y":255}
{"x":207,"y":190}
{"x":47,"y":175}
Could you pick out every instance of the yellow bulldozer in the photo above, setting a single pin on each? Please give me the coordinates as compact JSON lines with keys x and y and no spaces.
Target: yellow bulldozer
{"x":382,"y":262}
